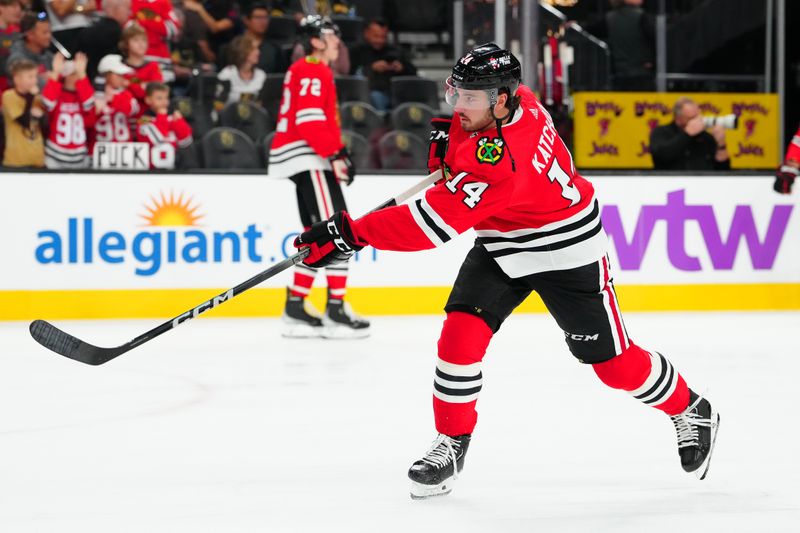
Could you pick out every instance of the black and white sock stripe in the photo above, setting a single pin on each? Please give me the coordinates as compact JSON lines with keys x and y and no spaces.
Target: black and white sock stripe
{"x":660,"y":384}
{"x":431,"y":224}
{"x":457,"y":383}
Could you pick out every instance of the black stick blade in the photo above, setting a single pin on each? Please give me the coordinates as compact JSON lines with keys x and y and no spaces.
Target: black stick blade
{"x":65,"y":344}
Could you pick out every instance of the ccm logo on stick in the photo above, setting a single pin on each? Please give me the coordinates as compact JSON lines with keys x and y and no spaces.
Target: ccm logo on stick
{"x":202,"y":308}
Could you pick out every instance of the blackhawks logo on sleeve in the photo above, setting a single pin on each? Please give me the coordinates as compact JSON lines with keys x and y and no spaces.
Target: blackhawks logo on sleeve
{"x":489,"y":150}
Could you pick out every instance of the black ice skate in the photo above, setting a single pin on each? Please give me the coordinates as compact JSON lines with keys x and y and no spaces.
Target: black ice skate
{"x":300,"y":318}
{"x":341,"y":322}
{"x":434,"y":474}
{"x":697,"y":431}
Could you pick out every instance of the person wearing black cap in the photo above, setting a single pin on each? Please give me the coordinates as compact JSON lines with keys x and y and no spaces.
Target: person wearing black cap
{"x":511,"y":178}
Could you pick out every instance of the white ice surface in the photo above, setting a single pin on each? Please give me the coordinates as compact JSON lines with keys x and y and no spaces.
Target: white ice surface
{"x":224,"y":426}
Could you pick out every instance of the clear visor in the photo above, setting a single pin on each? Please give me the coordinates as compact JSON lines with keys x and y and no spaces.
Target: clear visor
{"x":465,"y":98}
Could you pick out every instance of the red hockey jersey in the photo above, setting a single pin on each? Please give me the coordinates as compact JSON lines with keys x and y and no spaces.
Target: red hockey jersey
{"x":162,"y":25}
{"x":308,"y":121}
{"x":71,"y":115}
{"x":141,"y":76}
{"x":113,"y":124}
{"x":793,"y":152}
{"x":521,"y":192}
{"x":164,"y":133}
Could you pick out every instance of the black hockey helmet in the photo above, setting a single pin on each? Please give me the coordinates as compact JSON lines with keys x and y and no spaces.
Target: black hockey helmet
{"x":315,"y":26}
{"x":486,"y":67}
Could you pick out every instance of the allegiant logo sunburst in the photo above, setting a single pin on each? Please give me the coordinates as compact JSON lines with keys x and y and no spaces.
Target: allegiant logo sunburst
{"x":171,"y":230}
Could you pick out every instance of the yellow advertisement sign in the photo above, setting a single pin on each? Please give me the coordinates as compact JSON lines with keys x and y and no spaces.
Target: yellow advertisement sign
{"x":612,"y":130}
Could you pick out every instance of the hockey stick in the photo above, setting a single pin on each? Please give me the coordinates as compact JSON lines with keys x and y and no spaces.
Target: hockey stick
{"x":65,"y":344}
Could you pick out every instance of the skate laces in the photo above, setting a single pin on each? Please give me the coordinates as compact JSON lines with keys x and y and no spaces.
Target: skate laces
{"x":686,"y":425}
{"x":443,"y":451}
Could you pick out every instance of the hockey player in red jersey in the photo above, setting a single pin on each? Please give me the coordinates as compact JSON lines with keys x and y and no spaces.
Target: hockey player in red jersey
{"x":117,"y":106}
{"x":68,"y":98}
{"x":164,"y":132}
{"x":512,"y":179}
{"x":307,"y":148}
{"x":789,"y":170}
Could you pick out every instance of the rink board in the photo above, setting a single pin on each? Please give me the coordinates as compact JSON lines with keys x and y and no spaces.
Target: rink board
{"x":137,"y":246}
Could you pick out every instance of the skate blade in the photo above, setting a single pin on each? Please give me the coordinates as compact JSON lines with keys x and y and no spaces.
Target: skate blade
{"x":343,"y":332}
{"x":703,"y":470}
{"x":423,"y":492}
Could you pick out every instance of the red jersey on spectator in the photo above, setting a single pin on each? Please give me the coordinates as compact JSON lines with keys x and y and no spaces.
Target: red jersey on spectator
{"x":164,"y":133}
{"x":519,"y":190}
{"x":71,"y":114}
{"x":113,"y":124}
{"x":308,"y":131}
{"x":7,"y":37}
{"x":162,"y":25}
{"x":141,"y":76}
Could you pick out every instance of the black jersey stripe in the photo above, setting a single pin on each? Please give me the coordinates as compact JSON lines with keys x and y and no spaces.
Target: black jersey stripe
{"x":553,"y":246}
{"x":442,"y":234}
{"x":585,"y":221}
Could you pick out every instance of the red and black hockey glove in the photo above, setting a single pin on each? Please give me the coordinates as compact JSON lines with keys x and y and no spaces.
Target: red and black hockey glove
{"x":330,"y":241}
{"x":437,"y":148}
{"x":343,"y":167}
{"x":784,"y":179}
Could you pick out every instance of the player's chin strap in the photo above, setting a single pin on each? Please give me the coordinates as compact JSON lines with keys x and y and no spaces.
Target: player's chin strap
{"x":499,"y":124}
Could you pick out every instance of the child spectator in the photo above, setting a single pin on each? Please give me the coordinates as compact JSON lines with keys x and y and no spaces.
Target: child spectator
{"x":165,"y":133}
{"x":68,"y":98}
{"x":10,"y":17}
{"x":22,"y":111}
{"x":162,"y":25}
{"x":133,"y":45}
{"x":118,"y":106}
{"x":244,"y":78}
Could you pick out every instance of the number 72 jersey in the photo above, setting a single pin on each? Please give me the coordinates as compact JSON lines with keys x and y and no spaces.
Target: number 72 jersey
{"x":520,"y":191}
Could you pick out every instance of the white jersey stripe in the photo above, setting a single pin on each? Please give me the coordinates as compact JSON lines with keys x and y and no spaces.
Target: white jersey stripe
{"x":426,"y":229}
{"x":530,"y":231}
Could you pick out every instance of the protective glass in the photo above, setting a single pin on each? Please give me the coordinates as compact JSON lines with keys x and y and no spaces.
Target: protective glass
{"x":465,"y":98}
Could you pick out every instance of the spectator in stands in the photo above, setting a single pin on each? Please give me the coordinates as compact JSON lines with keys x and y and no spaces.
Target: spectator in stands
{"x":379,"y":62}
{"x":630,"y":33}
{"x":162,"y":25}
{"x":102,"y":37}
{"x":133,"y":45}
{"x":35,"y":44}
{"x":68,"y":18}
{"x":193,"y":48}
{"x":219,"y":17}
{"x":117,"y":105}
{"x":10,"y":17}
{"x":165,"y":133}
{"x":68,"y":98}
{"x":256,"y":22}
{"x":22,"y":114}
{"x":245,"y":80}
{"x":684,"y":144}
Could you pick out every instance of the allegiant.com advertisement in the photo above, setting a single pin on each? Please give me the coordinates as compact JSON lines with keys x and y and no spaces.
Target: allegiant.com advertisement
{"x":174,"y":231}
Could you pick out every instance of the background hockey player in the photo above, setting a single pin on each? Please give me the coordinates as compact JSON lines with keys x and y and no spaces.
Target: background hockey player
{"x":308,"y":149}
{"x":512,"y":178}
{"x":788,"y":171}
{"x":69,"y":99}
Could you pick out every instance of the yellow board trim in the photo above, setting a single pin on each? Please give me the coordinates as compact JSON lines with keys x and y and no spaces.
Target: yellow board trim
{"x":370,"y":301}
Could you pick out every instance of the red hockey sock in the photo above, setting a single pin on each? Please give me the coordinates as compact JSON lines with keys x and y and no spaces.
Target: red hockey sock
{"x":303,"y":280}
{"x":337,"y":281}
{"x":458,"y":380}
{"x":648,"y":377}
